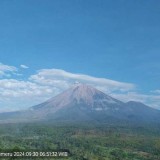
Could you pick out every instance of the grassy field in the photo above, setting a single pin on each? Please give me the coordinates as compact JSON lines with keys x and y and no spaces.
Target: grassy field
{"x":82,"y":142}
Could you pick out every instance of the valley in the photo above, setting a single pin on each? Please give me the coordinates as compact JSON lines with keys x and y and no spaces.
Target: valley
{"x":83,"y":141}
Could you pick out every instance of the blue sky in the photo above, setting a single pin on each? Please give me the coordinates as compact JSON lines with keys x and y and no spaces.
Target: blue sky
{"x":110,"y":39}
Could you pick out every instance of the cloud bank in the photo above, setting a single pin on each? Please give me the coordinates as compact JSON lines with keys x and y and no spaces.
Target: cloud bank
{"x":20,"y":94}
{"x":62,"y":79}
{"x":6,"y":70}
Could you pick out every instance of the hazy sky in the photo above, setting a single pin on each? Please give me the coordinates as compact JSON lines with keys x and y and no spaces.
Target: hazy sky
{"x":46,"y":45}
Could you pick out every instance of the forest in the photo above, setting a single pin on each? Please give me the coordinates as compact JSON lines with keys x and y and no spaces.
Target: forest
{"x":80,"y":141}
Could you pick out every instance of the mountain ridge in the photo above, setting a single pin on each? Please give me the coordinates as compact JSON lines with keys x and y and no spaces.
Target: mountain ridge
{"x":82,"y":102}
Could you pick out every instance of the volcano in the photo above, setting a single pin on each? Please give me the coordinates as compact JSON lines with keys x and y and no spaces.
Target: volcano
{"x":83,"y":103}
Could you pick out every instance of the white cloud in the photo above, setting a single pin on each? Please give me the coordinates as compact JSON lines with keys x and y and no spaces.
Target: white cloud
{"x":22,"y":94}
{"x":5,"y":70}
{"x":63,"y":79}
{"x":24,"y":66}
{"x":156,"y":91}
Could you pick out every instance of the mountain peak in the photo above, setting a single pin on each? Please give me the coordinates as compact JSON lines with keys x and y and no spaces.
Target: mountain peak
{"x":80,"y":94}
{"x":84,"y":90}
{"x":80,"y":85}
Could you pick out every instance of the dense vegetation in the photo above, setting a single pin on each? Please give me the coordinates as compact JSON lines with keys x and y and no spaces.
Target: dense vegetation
{"x":83,"y":142}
